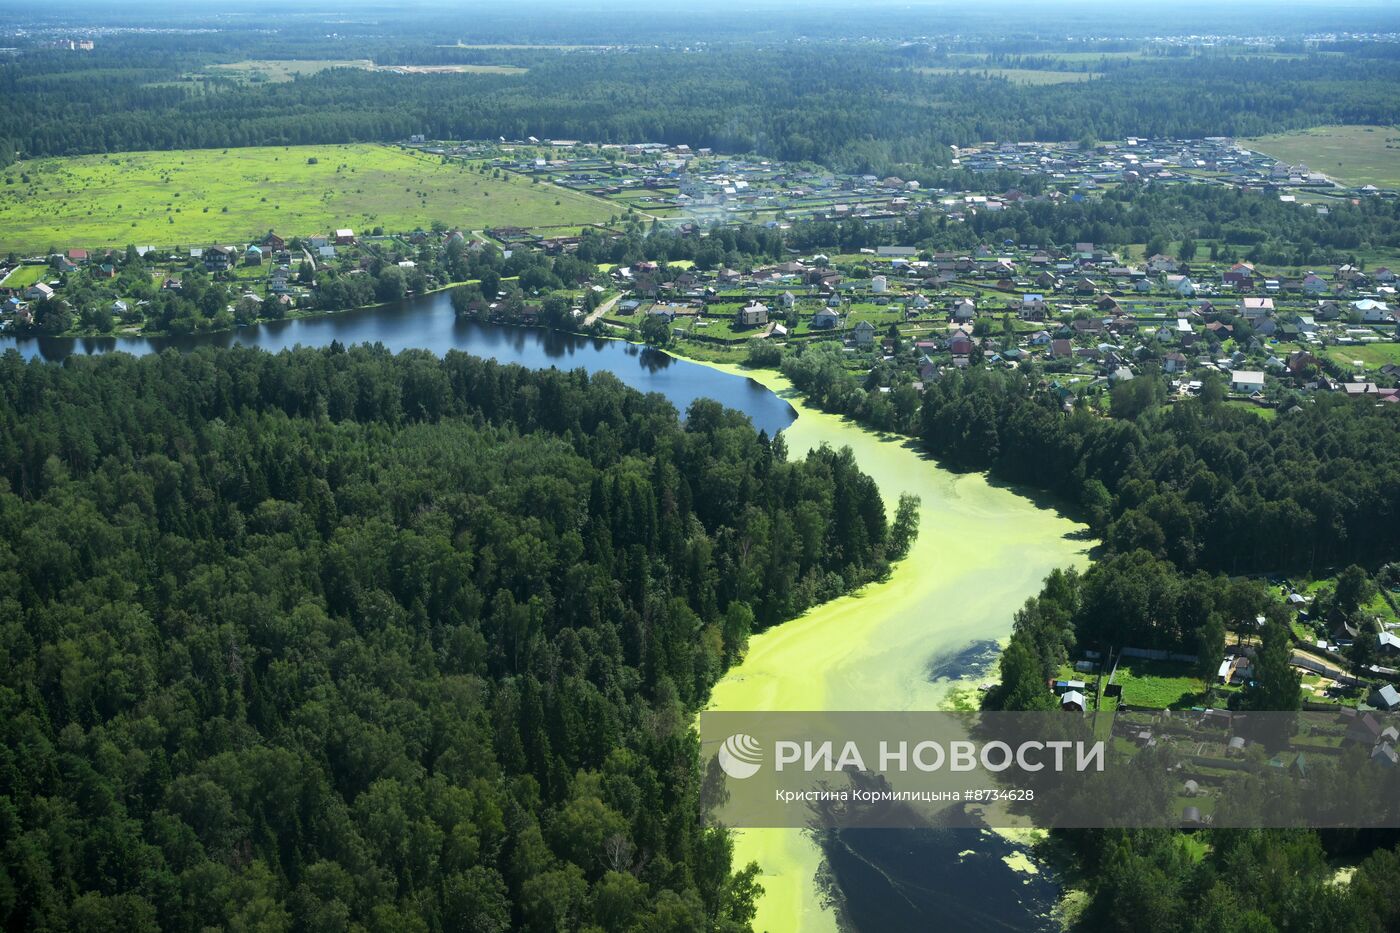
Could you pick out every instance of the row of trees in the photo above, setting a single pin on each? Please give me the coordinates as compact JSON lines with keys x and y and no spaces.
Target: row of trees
{"x":337,"y":640}
{"x":1238,"y":224}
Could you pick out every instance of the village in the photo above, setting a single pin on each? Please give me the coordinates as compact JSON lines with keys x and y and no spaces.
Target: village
{"x":1089,"y":316}
{"x":1165,"y":702}
{"x":688,"y":187}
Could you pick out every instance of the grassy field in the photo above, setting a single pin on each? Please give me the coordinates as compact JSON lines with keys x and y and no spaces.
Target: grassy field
{"x":1371,"y":355}
{"x":1025,"y":76}
{"x":1159,"y":684}
{"x":25,"y":276}
{"x":1268,"y":414}
{"x":1356,"y":155}
{"x":279,"y":70}
{"x":201,"y":196}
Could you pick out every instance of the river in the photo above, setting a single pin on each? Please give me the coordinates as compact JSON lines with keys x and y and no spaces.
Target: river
{"x":899,"y":645}
{"x":429,"y":323}
{"x":903,"y":644}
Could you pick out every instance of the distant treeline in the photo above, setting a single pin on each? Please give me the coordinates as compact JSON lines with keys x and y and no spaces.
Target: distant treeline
{"x":850,"y":106}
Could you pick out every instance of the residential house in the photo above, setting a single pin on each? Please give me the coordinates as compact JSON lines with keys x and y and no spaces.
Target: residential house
{"x":1240,"y":275}
{"x":1181,"y":285}
{"x":1373,"y":312}
{"x":220,"y":258}
{"x":825,"y":319}
{"x":1255,"y":308}
{"x":964,"y":309}
{"x":960,"y":344}
{"x":344,"y":237}
{"x":864,"y":334}
{"x":751,"y":315}
{"x":1247,"y":381}
{"x":1387,"y":644}
{"x":279,"y":282}
{"x":1386,"y":698}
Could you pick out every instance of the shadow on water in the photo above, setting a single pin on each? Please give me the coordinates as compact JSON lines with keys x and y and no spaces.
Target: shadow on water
{"x":895,"y":880}
{"x":428,"y":322}
{"x":968,"y":661}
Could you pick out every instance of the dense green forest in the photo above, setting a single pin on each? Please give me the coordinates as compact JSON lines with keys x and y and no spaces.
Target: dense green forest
{"x":337,"y":640}
{"x":1195,"y":485}
{"x":857,"y":106}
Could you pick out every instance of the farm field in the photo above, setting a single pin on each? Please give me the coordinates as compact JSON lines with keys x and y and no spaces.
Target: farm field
{"x":1356,"y":155}
{"x":1024,"y":76}
{"x":202,"y":196}
{"x":280,"y":70}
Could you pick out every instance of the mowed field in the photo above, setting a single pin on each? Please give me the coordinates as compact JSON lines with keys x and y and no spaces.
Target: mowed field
{"x":279,"y":70}
{"x":203,"y":196}
{"x":1356,"y":155}
{"x":1026,"y":76}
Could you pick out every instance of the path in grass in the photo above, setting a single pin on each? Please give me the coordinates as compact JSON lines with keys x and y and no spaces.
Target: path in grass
{"x":203,"y":196}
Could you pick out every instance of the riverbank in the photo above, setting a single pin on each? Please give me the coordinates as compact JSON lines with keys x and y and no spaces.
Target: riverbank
{"x":293,"y":314}
{"x":982,"y":551}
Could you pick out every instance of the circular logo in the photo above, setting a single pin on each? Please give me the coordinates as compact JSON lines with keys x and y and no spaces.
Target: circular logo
{"x":740,"y":756}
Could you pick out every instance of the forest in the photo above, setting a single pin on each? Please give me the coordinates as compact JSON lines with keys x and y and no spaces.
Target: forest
{"x":338,"y":639}
{"x":852,"y":106}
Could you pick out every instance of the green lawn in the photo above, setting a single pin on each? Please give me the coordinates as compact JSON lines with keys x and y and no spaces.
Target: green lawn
{"x":1371,"y":355}
{"x":1356,"y":155}
{"x":1268,"y":414}
{"x":1159,"y":684}
{"x":25,"y":276}
{"x":200,"y":196}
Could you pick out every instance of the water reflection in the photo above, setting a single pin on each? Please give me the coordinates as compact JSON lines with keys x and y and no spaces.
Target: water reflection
{"x":429,"y":323}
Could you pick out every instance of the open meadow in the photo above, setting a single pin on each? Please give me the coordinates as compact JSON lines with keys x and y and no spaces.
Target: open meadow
{"x":203,"y":196}
{"x":1356,"y":155}
{"x":279,"y":70}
